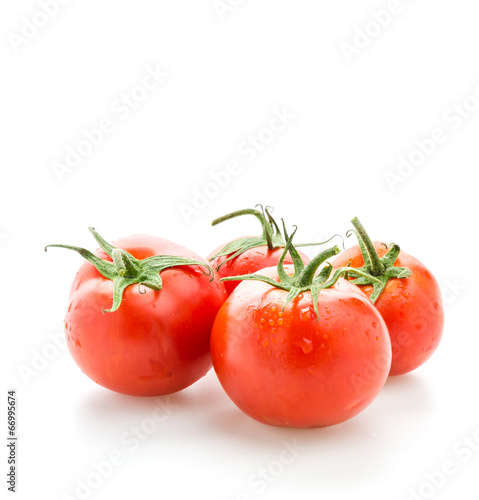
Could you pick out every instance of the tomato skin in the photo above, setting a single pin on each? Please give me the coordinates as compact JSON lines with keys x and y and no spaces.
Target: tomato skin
{"x":248,"y":263}
{"x":157,"y":342}
{"x":411,"y":307}
{"x":284,"y":368}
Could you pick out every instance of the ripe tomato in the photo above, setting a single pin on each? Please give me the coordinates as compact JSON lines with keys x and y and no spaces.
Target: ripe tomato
{"x":248,"y":262}
{"x":411,"y":307}
{"x":250,"y":253}
{"x":317,"y":361}
{"x":157,"y":339}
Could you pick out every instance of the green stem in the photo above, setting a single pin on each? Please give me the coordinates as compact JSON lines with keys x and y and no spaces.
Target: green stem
{"x":125,"y":270}
{"x":238,"y":213}
{"x":370,"y":256}
{"x":304,"y":278}
{"x":265,"y":224}
{"x":376,"y":271}
{"x":124,"y":263}
{"x":307,"y":275}
{"x":271,"y":237}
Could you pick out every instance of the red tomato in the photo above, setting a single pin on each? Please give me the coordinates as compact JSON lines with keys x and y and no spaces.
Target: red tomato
{"x":249,"y":254}
{"x":411,"y":307}
{"x":287,"y":368}
{"x":248,"y":262}
{"x":157,"y":341}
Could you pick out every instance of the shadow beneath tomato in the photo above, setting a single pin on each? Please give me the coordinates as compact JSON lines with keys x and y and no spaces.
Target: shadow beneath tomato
{"x":354,"y":453}
{"x":202,"y":419}
{"x":107,"y":416}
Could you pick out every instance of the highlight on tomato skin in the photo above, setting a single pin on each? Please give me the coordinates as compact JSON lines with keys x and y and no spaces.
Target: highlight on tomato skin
{"x":293,"y":348}
{"x":156,"y":341}
{"x":408,"y":298}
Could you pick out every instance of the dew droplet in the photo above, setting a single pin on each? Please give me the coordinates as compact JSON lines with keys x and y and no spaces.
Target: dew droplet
{"x":305,"y":314}
{"x":306,"y":345}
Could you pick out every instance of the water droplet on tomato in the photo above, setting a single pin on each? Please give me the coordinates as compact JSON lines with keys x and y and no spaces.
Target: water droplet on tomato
{"x":305,"y":314}
{"x":271,"y":322}
{"x":280,"y":321}
{"x":306,"y":345}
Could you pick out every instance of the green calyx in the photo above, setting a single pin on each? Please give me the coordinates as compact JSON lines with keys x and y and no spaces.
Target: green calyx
{"x":304,"y":278}
{"x":377,"y":271}
{"x":271,"y":236}
{"x":125,"y":270}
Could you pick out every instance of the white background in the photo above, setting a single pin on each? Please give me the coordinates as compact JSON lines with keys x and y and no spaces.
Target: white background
{"x":353,"y":120}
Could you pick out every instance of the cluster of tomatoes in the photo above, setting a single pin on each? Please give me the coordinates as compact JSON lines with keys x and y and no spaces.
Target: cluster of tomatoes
{"x":294,"y":342}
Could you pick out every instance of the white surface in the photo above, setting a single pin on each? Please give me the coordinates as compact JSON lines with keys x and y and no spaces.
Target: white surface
{"x":352,"y":123}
